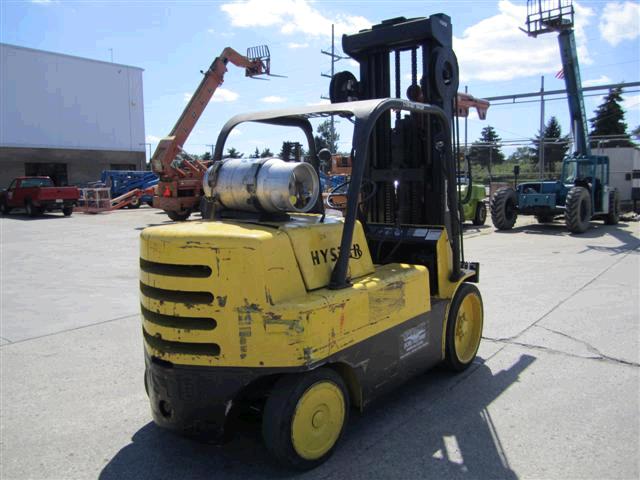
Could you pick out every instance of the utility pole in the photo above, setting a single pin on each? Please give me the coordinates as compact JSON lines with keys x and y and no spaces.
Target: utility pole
{"x":334,"y":58}
{"x":147,"y":145}
{"x":541,"y":151}
{"x":466,"y":90}
{"x":111,"y":51}
{"x":212,"y":145}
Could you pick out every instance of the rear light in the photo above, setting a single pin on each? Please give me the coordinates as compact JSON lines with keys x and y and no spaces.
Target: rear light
{"x":167,"y":191}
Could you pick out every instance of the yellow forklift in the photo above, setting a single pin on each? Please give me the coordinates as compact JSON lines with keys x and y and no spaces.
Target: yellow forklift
{"x":269,"y":304}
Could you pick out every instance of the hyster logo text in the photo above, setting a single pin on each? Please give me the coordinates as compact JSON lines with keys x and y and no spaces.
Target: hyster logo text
{"x":326,"y":255}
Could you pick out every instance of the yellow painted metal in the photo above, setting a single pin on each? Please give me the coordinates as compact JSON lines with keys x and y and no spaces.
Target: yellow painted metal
{"x":468,"y":327}
{"x":264,"y":314}
{"x":317,"y":246}
{"x":318,"y":420}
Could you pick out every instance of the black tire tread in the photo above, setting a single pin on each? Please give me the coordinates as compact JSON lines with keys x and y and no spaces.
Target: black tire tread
{"x":572,"y":210}
{"x":479,"y":218}
{"x":613,"y":217}
{"x":178,"y":216}
{"x":279,"y":410}
{"x":498,"y":207}
{"x":451,"y":360}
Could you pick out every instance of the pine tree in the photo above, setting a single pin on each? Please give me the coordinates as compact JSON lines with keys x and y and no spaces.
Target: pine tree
{"x":609,"y":120}
{"x":256,"y":153}
{"x":286,"y":151}
{"x":486,"y":150}
{"x":555,"y":145}
{"x":326,"y":137}
{"x":266,"y":153}
{"x":233,"y":153}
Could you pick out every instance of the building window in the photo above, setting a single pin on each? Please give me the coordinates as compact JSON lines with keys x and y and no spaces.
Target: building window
{"x":57,"y":172}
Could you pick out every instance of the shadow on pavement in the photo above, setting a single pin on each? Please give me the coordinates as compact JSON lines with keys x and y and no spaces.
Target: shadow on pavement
{"x":435,"y":426}
{"x":596,"y":230}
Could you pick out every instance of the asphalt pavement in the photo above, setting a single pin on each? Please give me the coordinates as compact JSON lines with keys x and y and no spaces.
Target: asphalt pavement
{"x":554,"y":393}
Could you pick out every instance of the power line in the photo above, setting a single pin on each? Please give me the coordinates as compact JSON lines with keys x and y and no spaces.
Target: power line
{"x":561,"y":92}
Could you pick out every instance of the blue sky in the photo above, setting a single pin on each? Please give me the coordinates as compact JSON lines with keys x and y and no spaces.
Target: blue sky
{"x":173,"y":41}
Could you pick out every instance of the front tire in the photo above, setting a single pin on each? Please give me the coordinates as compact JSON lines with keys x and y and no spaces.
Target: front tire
{"x":480,"y":216}
{"x":304,"y":418}
{"x":578,"y":210}
{"x":178,"y":216}
{"x":67,"y":211}
{"x":4,"y":209}
{"x":464,"y":328}
{"x":504,"y":208}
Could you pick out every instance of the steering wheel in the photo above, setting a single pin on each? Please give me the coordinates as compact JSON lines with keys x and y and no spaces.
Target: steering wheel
{"x":340,"y":190}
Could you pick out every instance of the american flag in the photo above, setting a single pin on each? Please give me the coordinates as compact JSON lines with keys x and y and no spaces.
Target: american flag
{"x":560,"y":74}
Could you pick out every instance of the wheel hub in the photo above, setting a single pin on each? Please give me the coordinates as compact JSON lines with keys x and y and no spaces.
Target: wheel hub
{"x":468,"y":328}
{"x":318,"y":420}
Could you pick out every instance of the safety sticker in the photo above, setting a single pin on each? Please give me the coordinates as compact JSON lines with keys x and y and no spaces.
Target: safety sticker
{"x":412,"y":340}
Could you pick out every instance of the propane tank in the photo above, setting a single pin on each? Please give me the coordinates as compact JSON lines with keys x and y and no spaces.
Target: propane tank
{"x":268,"y":185}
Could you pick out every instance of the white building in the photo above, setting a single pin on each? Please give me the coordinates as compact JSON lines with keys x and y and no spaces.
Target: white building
{"x":624,"y":173}
{"x":68,"y":117}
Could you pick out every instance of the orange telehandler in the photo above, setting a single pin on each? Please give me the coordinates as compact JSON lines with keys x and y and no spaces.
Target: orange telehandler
{"x":179,"y":189}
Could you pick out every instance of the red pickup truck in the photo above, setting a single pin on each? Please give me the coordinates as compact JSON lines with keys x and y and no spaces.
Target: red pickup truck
{"x":37,"y":195}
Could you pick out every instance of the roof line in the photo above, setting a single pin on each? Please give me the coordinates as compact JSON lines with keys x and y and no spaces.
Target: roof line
{"x":75,"y":57}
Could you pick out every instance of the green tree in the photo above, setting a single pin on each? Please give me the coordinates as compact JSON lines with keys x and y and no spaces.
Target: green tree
{"x":266,"y":153}
{"x":291,"y":151}
{"x":206,"y":157}
{"x":326,"y":137}
{"x":255,"y":154}
{"x":233,"y":153}
{"x":286,"y":151}
{"x":486,"y":151}
{"x":609,"y":120}
{"x":521,"y":155}
{"x":555,"y":145}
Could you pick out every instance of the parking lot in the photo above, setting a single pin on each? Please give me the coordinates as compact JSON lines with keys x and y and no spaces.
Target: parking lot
{"x":554,"y":393}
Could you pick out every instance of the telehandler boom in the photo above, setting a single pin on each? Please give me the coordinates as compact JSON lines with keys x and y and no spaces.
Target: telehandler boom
{"x":178,"y":192}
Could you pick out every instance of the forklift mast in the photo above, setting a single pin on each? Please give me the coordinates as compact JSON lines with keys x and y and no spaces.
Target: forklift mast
{"x":545,"y":16}
{"x":413,"y":184}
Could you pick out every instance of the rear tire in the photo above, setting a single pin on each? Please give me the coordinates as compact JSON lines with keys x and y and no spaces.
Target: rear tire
{"x":31,"y":210}
{"x":480,"y":216}
{"x":504,"y":208}
{"x":67,"y":211}
{"x":304,"y":418}
{"x":613,"y":217}
{"x":4,"y":209}
{"x":135,"y":203}
{"x":178,"y":216}
{"x":464,"y":328}
{"x":577,"y":213}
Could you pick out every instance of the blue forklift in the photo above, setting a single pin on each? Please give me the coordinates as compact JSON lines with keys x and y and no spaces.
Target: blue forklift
{"x":583,"y":192}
